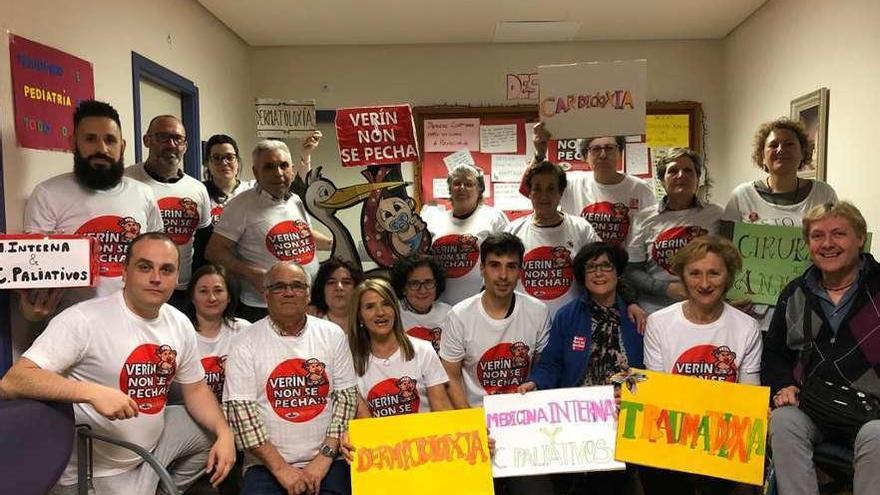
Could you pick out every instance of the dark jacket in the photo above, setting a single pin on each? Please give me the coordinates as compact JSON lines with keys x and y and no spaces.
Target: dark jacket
{"x":563,"y":362}
{"x":852,"y":357}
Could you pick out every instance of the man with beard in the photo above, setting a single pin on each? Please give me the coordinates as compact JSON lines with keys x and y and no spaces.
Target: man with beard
{"x":183,"y":201}
{"x":95,"y":200}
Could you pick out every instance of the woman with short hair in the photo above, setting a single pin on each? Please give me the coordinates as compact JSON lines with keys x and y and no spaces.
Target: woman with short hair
{"x":418,"y":281}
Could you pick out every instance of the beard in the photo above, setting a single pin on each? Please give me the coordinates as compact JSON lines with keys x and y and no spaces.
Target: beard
{"x":98,"y":177}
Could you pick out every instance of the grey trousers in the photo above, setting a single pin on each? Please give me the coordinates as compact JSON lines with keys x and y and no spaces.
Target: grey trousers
{"x":792,"y":437}
{"x":183,"y":449}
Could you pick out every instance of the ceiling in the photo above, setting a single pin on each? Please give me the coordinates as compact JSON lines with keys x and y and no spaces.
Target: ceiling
{"x":402,"y":22}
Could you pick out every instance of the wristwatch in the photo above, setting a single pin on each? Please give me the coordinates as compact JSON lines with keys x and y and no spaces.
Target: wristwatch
{"x":328,"y":451}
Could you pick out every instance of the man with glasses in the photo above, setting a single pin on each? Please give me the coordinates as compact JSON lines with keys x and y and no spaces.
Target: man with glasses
{"x":608,"y":199}
{"x":183,"y":201}
{"x":290,"y":392}
{"x":263,"y":226}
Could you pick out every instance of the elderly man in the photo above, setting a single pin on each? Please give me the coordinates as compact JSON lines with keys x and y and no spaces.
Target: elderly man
{"x":115,"y":357}
{"x":94,"y":200}
{"x":183,"y":200}
{"x":824,"y":336}
{"x":263,"y":226}
{"x":290,"y":392}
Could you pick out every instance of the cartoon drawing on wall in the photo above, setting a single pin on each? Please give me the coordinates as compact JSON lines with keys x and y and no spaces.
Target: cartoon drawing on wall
{"x":389,"y":225}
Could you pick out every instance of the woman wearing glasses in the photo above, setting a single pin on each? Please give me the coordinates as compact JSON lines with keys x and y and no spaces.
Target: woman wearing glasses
{"x":591,"y":339}
{"x":608,"y":199}
{"x":418,"y":281}
{"x":661,"y":230}
{"x":334,"y":284}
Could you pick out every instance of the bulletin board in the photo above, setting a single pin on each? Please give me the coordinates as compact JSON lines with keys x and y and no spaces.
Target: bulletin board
{"x":669,"y":124}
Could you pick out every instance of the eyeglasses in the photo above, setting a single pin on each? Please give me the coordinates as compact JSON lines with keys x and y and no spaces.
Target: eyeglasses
{"x":164,"y":138}
{"x":607,"y":148}
{"x":228,"y":158}
{"x":427,"y":284}
{"x":281,"y":287}
{"x":604,"y":267}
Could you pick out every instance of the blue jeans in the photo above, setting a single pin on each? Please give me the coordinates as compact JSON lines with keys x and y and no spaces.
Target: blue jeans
{"x":259,"y":481}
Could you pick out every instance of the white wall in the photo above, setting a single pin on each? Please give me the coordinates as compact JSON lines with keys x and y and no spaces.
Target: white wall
{"x":105,"y":33}
{"x":791,"y":47}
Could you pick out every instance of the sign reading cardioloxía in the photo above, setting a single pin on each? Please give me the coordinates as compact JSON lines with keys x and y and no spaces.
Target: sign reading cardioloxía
{"x":29,"y":261}
{"x":47,"y":85}
{"x":376,"y":135}
{"x":284,"y":118}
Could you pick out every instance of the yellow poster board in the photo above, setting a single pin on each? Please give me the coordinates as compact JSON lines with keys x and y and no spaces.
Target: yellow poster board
{"x":697,"y":426}
{"x":667,"y":131}
{"x":422,"y":454}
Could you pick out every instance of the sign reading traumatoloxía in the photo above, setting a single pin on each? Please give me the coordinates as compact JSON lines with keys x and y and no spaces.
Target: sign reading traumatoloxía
{"x":284,"y":118}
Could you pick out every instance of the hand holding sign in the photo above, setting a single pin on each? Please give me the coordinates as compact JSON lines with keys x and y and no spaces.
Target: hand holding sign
{"x":38,"y":304}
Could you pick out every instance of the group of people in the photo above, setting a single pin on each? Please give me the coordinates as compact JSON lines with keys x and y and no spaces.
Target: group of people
{"x":216,"y":286}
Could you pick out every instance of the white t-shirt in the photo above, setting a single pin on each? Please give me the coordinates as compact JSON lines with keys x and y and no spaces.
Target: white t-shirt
{"x":428,"y":326}
{"x":217,"y":208}
{"x":746,"y":205}
{"x":291,"y":379}
{"x":102,"y":341}
{"x":185,"y":207}
{"x":266,"y":231}
{"x":394,"y":386}
{"x":215,"y":350}
{"x":496,"y":355}
{"x":456,"y":247}
{"x":115,"y":217}
{"x":728,"y":349}
{"x":658,"y":233}
{"x":547,"y":271}
{"x":608,"y":208}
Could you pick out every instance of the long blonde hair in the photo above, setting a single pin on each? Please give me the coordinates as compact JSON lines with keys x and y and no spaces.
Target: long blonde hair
{"x":359,"y":336}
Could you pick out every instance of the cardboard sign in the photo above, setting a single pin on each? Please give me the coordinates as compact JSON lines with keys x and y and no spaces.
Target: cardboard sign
{"x":33,"y":261}
{"x":772,"y":257}
{"x":376,"y":135}
{"x":47,"y":86}
{"x":452,"y":135}
{"x":697,"y":426}
{"x":593,"y":99}
{"x":421,"y":454}
{"x":284,"y":118}
{"x":553,"y":431}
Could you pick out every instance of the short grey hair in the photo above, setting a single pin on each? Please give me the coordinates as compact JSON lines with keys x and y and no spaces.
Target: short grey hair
{"x":267,"y":278}
{"x":465,"y":170}
{"x":269,"y":145}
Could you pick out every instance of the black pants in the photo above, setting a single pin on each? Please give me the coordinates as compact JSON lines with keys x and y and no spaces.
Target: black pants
{"x":664,"y":482}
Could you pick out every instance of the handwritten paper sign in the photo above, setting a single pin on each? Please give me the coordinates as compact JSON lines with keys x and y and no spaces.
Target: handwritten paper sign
{"x":440,"y":188}
{"x":508,"y":168}
{"x":637,"y":159}
{"x":376,"y":135}
{"x":422,"y":454}
{"x":667,"y":131}
{"x":460,"y":157}
{"x":593,"y":99}
{"x":284,"y":118}
{"x":452,"y":135}
{"x":498,"y":138}
{"x":522,"y":86}
{"x":508,"y":198}
{"x":772,"y":257}
{"x":553,"y":431}
{"x":32,"y":261}
{"x":47,"y":86}
{"x":697,"y":426}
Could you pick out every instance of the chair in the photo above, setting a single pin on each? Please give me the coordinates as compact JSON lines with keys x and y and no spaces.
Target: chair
{"x":37,"y":441}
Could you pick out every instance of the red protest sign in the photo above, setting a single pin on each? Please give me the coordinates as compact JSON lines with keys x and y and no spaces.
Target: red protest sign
{"x":376,"y":135}
{"x":47,"y":85}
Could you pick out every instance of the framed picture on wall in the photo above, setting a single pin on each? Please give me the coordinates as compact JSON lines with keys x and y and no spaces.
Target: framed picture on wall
{"x":811,"y":110}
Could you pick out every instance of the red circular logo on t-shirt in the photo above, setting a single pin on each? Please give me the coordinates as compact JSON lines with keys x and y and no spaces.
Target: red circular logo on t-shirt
{"x":291,"y":240}
{"x":547,"y":272}
{"x":609,"y":220}
{"x":670,"y":241}
{"x":707,"y":361}
{"x":432,"y":335}
{"x":146,"y":376}
{"x":504,"y":367}
{"x":458,"y":254}
{"x":180,"y":217}
{"x":216,"y":211}
{"x":297,"y":389}
{"x":115,"y":233}
{"x":215,"y":374}
{"x":394,"y":396}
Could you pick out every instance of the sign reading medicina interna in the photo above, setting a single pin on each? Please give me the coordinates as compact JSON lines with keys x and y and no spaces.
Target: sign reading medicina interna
{"x":29,"y":261}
